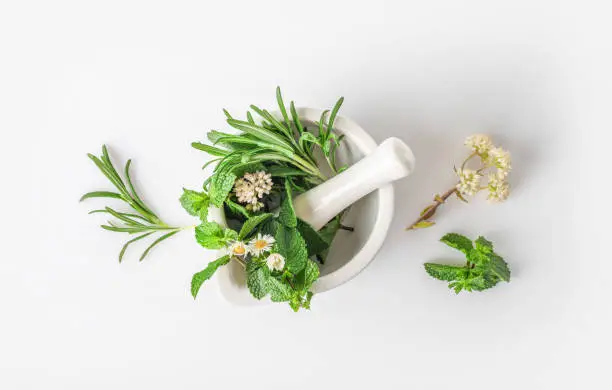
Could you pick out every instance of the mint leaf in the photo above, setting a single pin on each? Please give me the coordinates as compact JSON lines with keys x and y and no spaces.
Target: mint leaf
{"x":499,"y":267}
{"x":279,"y":290}
{"x":295,"y":303}
{"x":212,"y":236}
{"x":306,"y":278}
{"x":220,"y":186}
{"x":291,"y":245}
{"x":202,"y":276}
{"x":306,"y":303}
{"x":286,"y":215}
{"x":251,"y":224}
{"x":311,"y":274}
{"x":195,"y":203}
{"x":483,"y":245}
{"x":458,"y":242}
{"x":270,"y":227}
{"x":237,"y":208}
{"x":478,"y":258}
{"x":257,"y":279}
{"x":315,"y":244}
{"x":448,"y":273}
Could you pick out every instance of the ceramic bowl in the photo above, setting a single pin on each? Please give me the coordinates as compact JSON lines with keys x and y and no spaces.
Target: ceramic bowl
{"x":350,"y":252}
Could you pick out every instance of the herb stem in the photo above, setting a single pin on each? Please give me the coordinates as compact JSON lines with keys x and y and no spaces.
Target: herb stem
{"x":431,"y":209}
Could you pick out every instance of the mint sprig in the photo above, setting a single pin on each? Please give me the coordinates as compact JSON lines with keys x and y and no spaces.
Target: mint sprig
{"x":483,"y":269}
{"x":292,"y":284}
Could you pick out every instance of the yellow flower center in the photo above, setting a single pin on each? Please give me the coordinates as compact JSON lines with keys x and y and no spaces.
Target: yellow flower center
{"x":239,"y":250}
{"x":261,"y":244}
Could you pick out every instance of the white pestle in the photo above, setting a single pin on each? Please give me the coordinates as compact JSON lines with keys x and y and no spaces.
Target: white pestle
{"x":392,"y":160}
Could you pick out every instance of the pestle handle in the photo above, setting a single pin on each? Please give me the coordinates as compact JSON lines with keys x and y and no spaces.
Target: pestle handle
{"x":392,"y":160}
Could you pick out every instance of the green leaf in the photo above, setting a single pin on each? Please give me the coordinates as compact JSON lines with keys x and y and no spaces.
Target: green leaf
{"x":314,"y":241}
{"x":270,"y":227}
{"x":124,"y":217}
{"x":257,"y":279}
{"x":202,"y":276}
{"x":282,"y":171}
{"x":281,"y":105}
{"x":306,"y":303}
{"x":251,"y":224}
{"x":286,"y":215}
{"x":131,"y":241}
{"x":220,"y":187}
{"x":261,"y":133}
{"x":296,"y":118}
{"x":478,"y":258}
{"x":291,"y":245}
{"x":334,"y":112}
{"x":212,"y":236}
{"x":499,"y":267}
{"x":237,"y":208}
{"x":458,"y":242}
{"x":305,"y":279}
{"x":100,"y":194}
{"x":195,"y":203}
{"x":250,"y":167}
{"x":483,"y":245}
{"x":160,"y":239}
{"x":133,"y":192}
{"x":448,"y":273}
{"x":422,"y":225}
{"x":279,"y":290}
{"x":213,"y":151}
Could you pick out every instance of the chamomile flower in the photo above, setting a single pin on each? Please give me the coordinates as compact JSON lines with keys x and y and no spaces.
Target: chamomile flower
{"x":261,"y":244}
{"x":479,"y":143}
{"x":498,"y":187}
{"x":469,"y":181}
{"x":275,"y":262}
{"x":238,"y":249}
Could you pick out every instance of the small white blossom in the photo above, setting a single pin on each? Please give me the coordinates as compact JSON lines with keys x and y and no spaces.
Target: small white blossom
{"x":500,"y":158}
{"x":479,"y":143}
{"x":469,"y":181}
{"x":261,"y":244}
{"x":499,"y":189}
{"x":275,"y":262}
{"x":251,"y":187}
{"x":238,"y":249}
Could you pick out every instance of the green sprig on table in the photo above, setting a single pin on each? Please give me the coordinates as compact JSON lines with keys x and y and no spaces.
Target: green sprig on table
{"x":483,"y":269}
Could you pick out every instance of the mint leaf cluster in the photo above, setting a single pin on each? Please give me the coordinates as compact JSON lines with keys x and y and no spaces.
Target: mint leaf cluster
{"x":275,"y":251}
{"x":292,"y":283}
{"x":483,"y":269}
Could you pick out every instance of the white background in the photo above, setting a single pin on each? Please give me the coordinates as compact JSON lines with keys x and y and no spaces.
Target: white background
{"x":149,"y":77}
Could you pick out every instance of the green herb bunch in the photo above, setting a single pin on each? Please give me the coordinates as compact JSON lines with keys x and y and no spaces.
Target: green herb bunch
{"x":258,"y":171}
{"x":292,"y":244}
{"x":270,"y":161}
{"x":484,"y":268}
{"x":140,"y":220}
{"x":282,"y":146}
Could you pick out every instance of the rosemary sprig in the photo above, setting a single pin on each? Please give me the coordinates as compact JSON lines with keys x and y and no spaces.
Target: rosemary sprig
{"x":141,"y":221}
{"x":282,"y":144}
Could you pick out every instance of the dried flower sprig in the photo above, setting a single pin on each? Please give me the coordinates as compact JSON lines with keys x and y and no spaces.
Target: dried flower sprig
{"x":493,"y":162}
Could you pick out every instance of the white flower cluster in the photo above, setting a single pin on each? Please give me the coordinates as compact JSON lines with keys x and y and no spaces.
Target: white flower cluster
{"x":259,"y":246}
{"x":251,"y":187}
{"x":499,"y":189}
{"x":469,"y":182}
{"x":492,"y":157}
